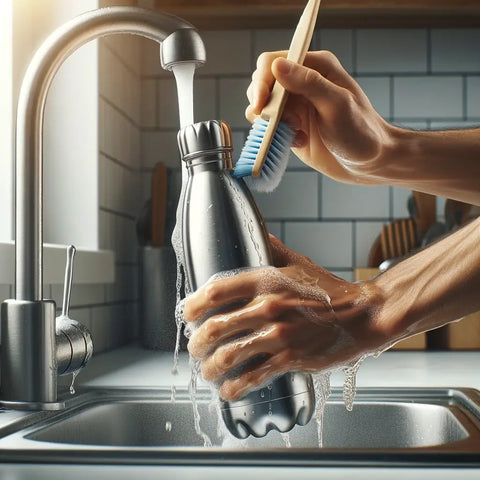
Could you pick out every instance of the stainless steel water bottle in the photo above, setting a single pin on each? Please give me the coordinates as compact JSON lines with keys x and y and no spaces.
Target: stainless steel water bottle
{"x":223,"y":230}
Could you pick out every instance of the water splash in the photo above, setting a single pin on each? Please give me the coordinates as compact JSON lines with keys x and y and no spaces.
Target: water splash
{"x":286,"y":440}
{"x":173,"y":396}
{"x":72,"y":385}
{"x":321,"y":384}
{"x":192,"y":389}
{"x":350,"y":383}
{"x":179,"y":321}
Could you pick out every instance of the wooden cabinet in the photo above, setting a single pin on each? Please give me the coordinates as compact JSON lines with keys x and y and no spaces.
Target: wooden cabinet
{"x":223,"y":14}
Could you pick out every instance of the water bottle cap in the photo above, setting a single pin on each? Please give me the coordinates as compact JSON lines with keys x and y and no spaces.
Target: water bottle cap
{"x":210,"y":140}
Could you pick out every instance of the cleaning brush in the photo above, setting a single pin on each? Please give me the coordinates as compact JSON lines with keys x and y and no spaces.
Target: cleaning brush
{"x":264,"y":157}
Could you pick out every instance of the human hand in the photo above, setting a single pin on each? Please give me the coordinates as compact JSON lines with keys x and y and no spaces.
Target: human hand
{"x":297,"y":315}
{"x":338,"y":132}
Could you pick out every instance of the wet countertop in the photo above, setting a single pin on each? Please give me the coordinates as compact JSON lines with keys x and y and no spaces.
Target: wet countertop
{"x":134,"y":366}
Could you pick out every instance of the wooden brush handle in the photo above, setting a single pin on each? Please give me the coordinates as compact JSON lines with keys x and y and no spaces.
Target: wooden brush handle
{"x":296,"y":53}
{"x":274,"y":108}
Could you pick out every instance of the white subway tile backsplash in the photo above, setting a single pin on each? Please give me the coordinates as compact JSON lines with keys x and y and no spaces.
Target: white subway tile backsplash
{"x":391,"y":50}
{"x":5,"y":292}
{"x":365,"y":235}
{"x":412,"y":125}
{"x":107,"y":137}
{"x":150,"y":59}
{"x":295,"y":197}
{"x":118,"y":84}
{"x":82,"y":315}
{"x":149,"y":103}
{"x":233,"y":101}
{"x":428,"y":97}
{"x":455,"y":50}
{"x":238,"y":141}
{"x":102,"y":326}
{"x":270,"y":41}
{"x":110,"y":182}
{"x":275,"y":228}
{"x":167,"y":104}
{"x":377,"y":90}
{"x":338,"y":41}
{"x":473,"y":97}
{"x":124,"y":320}
{"x":106,"y":233}
{"x":132,"y":201}
{"x":345,"y":274}
{"x":328,"y":244}
{"x":400,"y":201}
{"x":123,"y":111}
{"x":440,"y":204}
{"x":160,"y":146}
{"x":205,"y":99}
{"x":119,"y":137}
{"x":82,"y":294}
{"x":340,"y":200}
{"x":126,"y":240}
{"x":126,"y":47}
{"x":454,"y":125}
{"x":295,"y":163}
{"x":118,"y":187}
{"x":228,"y":52}
{"x":126,"y":283}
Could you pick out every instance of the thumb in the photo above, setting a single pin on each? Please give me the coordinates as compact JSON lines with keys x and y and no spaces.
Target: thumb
{"x":301,"y":80}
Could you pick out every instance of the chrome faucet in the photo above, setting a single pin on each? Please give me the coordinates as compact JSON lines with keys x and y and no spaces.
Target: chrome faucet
{"x":31,"y":352}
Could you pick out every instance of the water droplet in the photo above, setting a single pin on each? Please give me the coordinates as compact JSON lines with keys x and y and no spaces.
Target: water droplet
{"x":168,"y":426}
{"x":286,"y":440}
{"x":72,"y":385}
{"x":262,"y":393}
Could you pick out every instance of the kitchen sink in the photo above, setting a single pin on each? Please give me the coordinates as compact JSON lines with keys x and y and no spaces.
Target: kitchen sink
{"x":398,"y":426}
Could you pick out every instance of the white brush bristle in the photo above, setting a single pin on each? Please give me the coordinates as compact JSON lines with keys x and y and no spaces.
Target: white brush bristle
{"x":276,"y":161}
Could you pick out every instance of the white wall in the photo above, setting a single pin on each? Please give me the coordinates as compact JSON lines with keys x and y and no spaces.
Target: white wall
{"x":6,"y":115}
{"x":71,"y":123}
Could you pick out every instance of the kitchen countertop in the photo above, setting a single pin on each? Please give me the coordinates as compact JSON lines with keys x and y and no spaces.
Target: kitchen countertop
{"x":135,"y":367}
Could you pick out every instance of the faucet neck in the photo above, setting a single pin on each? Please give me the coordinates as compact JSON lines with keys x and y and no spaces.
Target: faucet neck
{"x":40,"y":73}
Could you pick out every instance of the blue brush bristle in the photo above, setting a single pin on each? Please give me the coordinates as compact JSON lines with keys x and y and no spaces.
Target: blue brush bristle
{"x":277,"y":157}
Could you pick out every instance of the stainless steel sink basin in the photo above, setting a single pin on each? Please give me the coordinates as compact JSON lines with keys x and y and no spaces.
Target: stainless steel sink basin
{"x":386,"y":427}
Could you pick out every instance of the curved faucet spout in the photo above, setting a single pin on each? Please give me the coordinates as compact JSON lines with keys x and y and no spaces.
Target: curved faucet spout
{"x":184,"y":45}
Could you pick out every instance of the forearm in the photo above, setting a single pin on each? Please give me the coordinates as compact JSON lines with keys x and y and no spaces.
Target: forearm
{"x":444,"y":163}
{"x":438,"y":285}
